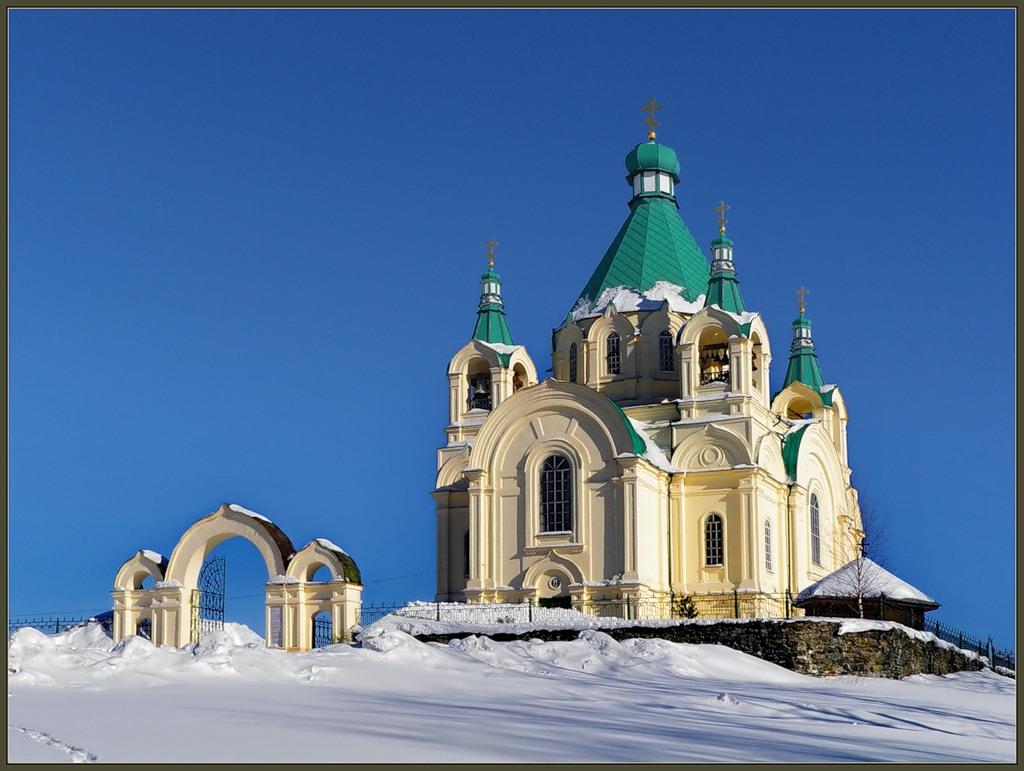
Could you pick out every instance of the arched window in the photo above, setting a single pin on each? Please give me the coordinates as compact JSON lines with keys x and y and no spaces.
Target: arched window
{"x":767,"y":545}
{"x":666,"y":361}
{"x":612,"y":356}
{"x":713,"y":540}
{"x":555,"y":494}
{"x":815,"y":530}
{"x":572,"y":363}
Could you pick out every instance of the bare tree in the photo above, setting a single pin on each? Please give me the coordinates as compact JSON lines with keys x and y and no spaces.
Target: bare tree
{"x":875,"y":525}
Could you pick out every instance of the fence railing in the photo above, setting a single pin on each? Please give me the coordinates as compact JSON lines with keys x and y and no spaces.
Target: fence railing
{"x":996,"y":656}
{"x":56,"y":623}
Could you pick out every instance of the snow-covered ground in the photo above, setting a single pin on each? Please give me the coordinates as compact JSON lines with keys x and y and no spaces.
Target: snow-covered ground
{"x":78,"y":697}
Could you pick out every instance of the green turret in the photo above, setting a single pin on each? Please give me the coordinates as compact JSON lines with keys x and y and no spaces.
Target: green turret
{"x":803,"y":362}
{"x":724,"y":287}
{"x":491,"y":326}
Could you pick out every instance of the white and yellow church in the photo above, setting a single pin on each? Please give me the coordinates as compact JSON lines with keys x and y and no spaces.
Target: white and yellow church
{"x":656,"y":463}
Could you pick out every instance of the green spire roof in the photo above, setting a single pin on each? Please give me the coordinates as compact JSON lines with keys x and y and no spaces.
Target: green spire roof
{"x":491,"y":326}
{"x":803,"y":362}
{"x":724,"y":288}
{"x":653,"y":244}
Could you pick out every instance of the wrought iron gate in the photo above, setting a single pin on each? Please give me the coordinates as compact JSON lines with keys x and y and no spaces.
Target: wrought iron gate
{"x":208,"y":599}
{"x":322,"y":630}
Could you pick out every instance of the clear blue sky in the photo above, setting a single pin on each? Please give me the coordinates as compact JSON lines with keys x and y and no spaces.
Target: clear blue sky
{"x":244,"y":245}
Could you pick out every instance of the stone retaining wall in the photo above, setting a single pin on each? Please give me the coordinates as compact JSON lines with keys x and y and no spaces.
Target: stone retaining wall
{"x":809,"y":646}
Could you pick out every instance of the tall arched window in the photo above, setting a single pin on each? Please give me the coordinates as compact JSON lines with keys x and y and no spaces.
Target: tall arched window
{"x":713,"y":540}
{"x":572,"y":363}
{"x":815,"y":530}
{"x":555,"y":494}
{"x":612,"y":356}
{"x":767,"y":545}
{"x":666,"y":361}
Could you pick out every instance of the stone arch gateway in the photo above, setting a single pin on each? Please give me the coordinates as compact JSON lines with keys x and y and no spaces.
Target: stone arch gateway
{"x":292,"y":598}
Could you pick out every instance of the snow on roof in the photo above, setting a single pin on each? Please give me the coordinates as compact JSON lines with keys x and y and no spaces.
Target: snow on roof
{"x":500,"y":347}
{"x":627,"y":298}
{"x":865,"y":578}
{"x":154,"y":556}
{"x":740,"y":318}
{"x":330,"y":545}
{"x":654,"y":454}
{"x":241,"y":510}
{"x":796,"y":425}
{"x":827,"y":387}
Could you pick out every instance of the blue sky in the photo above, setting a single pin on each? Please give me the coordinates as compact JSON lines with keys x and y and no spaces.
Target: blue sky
{"x":244,"y":244}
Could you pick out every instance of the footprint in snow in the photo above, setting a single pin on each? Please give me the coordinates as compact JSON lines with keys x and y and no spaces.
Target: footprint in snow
{"x":724,"y":698}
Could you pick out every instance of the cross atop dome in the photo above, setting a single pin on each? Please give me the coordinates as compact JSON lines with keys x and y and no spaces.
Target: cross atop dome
{"x":721,"y":208}
{"x":800,"y":299}
{"x":490,"y":252}
{"x":649,"y":108}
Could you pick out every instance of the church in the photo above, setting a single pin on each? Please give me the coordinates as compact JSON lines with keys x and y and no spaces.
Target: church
{"x":655,"y":463}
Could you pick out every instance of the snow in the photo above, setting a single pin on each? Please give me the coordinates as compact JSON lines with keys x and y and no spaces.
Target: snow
{"x":652,"y":453}
{"x":868,"y":579}
{"x":500,"y":347}
{"x":154,"y":556}
{"x":796,"y":425}
{"x":241,"y":510}
{"x":77,"y":697}
{"x":626,"y":298}
{"x":330,"y":545}
{"x":281,"y":579}
{"x":170,"y":583}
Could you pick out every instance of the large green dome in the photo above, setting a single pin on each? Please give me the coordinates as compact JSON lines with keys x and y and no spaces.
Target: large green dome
{"x":651,"y":156}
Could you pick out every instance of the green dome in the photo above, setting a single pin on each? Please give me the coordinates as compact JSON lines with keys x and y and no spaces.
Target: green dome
{"x":652,"y":157}
{"x":490,"y":275}
{"x":721,"y":241}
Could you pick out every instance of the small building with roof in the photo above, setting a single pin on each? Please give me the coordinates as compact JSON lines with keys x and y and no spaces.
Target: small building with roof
{"x":656,"y":461}
{"x":864,"y":589}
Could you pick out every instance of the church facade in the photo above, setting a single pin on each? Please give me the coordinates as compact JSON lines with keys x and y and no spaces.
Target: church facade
{"x":655,"y":463}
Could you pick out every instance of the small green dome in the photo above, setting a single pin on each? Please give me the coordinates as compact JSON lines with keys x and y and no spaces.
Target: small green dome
{"x":652,"y":157}
{"x":490,"y":275}
{"x":722,"y":240}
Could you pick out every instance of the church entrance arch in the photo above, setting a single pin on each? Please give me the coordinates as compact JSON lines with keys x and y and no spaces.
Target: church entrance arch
{"x":182,"y":605}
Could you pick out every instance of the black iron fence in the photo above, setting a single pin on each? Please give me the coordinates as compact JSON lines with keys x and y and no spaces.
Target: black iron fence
{"x":54,"y":623}
{"x":996,"y":656}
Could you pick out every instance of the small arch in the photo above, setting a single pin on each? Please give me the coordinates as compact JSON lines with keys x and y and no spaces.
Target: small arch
{"x":144,"y":567}
{"x":320,"y":553}
{"x":714,"y":541}
{"x":547,"y":565}
{"x":520,"y":378}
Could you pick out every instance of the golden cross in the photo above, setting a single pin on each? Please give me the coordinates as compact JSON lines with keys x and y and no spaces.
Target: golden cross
{"x":721,"y":215}
{"x":650,"y":107}
{"x":490,"y":252}
{"x":800,"y":301}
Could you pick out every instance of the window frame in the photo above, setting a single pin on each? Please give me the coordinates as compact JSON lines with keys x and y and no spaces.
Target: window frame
{"x":573,"y":362}
{"x":613,"y":358}
{"x":556,"y":482}
{"x":714,"y":542}
{"x":815,"y":527}
{"x":769,"y":563}
{"x":666,"y":352}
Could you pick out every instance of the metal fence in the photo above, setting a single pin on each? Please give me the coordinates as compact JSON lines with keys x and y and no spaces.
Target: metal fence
{"x":996,"y":656}
{"x":56,"y":623}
